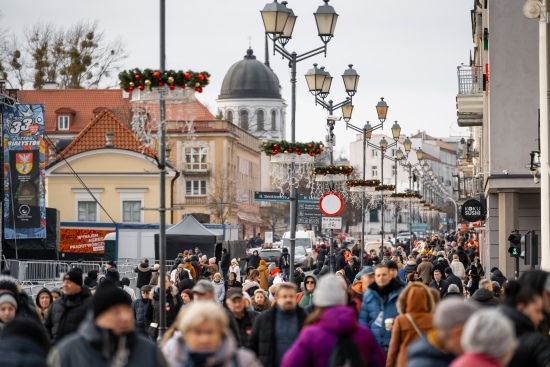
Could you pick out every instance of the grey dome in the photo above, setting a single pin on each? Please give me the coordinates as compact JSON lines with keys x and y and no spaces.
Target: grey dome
{"x":250,"y":78}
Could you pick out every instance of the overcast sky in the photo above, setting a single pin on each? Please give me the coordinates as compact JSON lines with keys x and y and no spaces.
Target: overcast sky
{"x":406,"y":51}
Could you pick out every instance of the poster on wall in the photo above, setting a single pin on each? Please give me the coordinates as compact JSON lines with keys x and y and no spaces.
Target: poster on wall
{"x":24,"y":172}
{"x":83,"y":240}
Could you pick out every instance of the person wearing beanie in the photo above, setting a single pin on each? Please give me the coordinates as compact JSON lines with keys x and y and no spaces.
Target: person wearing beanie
{"x":112,"y":275}
{"x":70,"y":309}
{"x":91,"y":280}
{"x":264,"y":275}
{"x":8,"y":307}
{"x":25,"y":304}
{"x":139,"y":305}
{"x":109,"y":265}
{"x":24,"y":343}
{"x":107,"y":336}
{"x":43,"y":301}
{"x":234,"y":268}
{"x":453,"y":279}
{"x":331,"y":321}
{"x":361,"y":285}
{"x":144,"y":273}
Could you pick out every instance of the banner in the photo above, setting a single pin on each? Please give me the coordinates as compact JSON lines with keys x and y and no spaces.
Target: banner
{"x":24,"y":172}
{"x":83,"y":241}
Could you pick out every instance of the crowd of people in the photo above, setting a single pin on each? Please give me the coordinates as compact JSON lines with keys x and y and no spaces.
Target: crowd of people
{"x":429,"y":305}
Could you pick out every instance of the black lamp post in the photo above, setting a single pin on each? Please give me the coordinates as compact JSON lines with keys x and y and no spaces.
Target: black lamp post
{"x":279,"y":24}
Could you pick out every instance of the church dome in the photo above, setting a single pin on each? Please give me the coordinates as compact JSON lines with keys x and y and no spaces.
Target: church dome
{"x":250,"y":78}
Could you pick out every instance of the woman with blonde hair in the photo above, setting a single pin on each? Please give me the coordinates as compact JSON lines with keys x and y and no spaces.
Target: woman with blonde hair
{"x":260,"y":302}
{"x":202,"y":338}
{"x":415,"y":306}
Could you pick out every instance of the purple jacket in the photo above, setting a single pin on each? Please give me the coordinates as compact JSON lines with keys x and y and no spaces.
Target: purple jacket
{"x":315,"y":343}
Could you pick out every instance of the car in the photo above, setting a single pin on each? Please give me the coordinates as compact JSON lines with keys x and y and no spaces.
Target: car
{"x":276,"y":238}
{"x":376,"y":246}
{"x":301,"y":257}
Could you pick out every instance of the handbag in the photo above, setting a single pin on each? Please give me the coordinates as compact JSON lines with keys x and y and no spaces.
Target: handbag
{"x":414,"y":325}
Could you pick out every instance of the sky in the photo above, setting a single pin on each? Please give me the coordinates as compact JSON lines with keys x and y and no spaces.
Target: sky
{"x":405,"y":51}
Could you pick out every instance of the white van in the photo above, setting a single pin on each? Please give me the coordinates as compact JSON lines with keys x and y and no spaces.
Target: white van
{"x":305,"y":239}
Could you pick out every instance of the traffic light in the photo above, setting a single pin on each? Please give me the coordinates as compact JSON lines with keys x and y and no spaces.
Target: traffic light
{"x":515,"y":244}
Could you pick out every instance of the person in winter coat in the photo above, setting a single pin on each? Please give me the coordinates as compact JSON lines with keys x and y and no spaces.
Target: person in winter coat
{"x":232,"y":282}
{"x":484,"y":296}
{"x":219,"y":289}
{"x":331,"y":321}
{"x":458,"y":267}
{"x":66,"y":313}
{"x":155,"y":275}
{"x":196,"y":265}
{"x":473,"y":284}
{"x":284,"y":262}
{"x":252,"y":283}
{"x":225,"y":263}
{"x":415,"y":306}
{"x":107,"y":337}
{"x":277,"y":328}
{"x":126,"y":287}
{"x":234,"y":268}
{"x":252,"y":260}
{"x":144,"y":273}
{"x":264,"y":275}
{"x":439,"y":283}
{"x":172,"y":306}
{"x":497,"y":276}
{"x":524,"y":307}
{"x":24,"y":343}
{"x":43,"y":301}
{"x":360,"y":286}
{"x":411,"y":266}
{"x":91,"y":280}
{"x":321,"y":257}
{"x":451,"y":278}
{"x":351,"y":270}
{"x":140,"y":309}
{"x":379,"y":304}
{"x":185,"y":282}
{"x":187,"y":265}
{"x":340,"y":260}
{"x":463,"y":257}
{"x":305,"y":298}
{"x":425,"y":270}
{"x":488,"y":340}
{"x":203,"y":338}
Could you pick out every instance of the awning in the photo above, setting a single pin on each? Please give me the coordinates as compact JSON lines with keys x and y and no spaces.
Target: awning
{"x":249,"y":217}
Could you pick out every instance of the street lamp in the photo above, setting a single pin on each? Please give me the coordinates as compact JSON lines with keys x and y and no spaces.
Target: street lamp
{"x":279,"y":22}
{"x":382,"y":109}
{"x":351,"y":80}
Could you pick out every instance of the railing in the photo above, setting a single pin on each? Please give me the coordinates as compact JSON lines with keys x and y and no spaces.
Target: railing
{"x":470,"y":80}
{"x":37,"y":271}
{"x":196,"y":200}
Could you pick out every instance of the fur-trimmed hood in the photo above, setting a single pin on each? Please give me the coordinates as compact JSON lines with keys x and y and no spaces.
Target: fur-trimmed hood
{"x":416,"y":297}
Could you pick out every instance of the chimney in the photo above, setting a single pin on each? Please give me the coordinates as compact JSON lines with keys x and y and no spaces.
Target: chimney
{"x":109,"y":137}
{"x":50,"y":85}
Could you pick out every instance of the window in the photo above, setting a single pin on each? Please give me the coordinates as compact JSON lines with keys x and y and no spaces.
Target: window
{"x":393,"y":152}
{"x":196,"y":158}
{"x":373,"y":215}
{"x":87,"y":211}
{"x":273,"y":120}
{"x":394,"y":170}
{"x":230,"y":116}
{"x":244,"y":119}
{"x":260,"y":119}
{"x":63,"y":122}
{"x":374,"y":153}
{"x":374,"y":171}
{"x":131,"y":211}
{"x":195,"y":188}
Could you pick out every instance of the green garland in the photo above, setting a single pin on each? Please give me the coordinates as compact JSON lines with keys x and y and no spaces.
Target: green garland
{"x":148,"y":78}
{"x":385,"y":188}
{"x":332,"y":170}
{"x":406,"y":195}
{"x":275,"y":147}
{"x":363,"y":183}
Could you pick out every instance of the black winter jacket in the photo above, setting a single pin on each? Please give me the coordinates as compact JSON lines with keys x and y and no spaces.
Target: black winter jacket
{"x":140,"y":308}
{"x":533,"y":349}
{"x":423,"y":354}
{"x":88,"y":348}
{"x":498,"y":277}
{"x":262,"y":338}
{"x":66,"y":314}
{"x":153,"y":311}
{"x":253,"y":261}
{"x":226,"y":261}
{"x":453,"y":279}
{"x":17,"y":351}
{"x":144,"y":274}
{"x":485,"y":298}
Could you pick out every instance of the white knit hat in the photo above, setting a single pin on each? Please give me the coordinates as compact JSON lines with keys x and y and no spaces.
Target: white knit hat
{"x":329,"y":292}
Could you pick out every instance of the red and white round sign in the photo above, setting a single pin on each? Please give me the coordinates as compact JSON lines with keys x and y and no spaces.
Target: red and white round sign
{"x":331,"y":204}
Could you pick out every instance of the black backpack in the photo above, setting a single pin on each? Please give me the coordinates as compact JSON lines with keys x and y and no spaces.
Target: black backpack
{"x":346,"y":353}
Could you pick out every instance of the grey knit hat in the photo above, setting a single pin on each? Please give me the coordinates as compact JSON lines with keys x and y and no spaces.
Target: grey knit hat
{"x":330,"y":292}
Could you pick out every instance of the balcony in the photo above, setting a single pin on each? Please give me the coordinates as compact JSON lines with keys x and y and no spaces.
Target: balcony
{"x":469,"y":101}
{"x":196,"y":200}
{"x":196,"y":169}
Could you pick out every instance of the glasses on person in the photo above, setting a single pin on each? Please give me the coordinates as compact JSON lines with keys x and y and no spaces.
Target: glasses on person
{"x":310,"y":282}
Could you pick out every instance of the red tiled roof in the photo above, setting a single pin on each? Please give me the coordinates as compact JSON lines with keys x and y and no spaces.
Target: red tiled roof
{"x":183,"y":112}
{"x":82,"y":101}
{"x":430,"y":157}
{"x":93,"y":137}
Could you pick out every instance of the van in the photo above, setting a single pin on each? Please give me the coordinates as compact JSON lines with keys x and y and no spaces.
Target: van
{"x":305,"y":239}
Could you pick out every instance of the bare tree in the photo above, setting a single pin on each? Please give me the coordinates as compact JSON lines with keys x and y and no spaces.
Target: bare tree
{"x":273,"y":215}
{"x":222,"y":196}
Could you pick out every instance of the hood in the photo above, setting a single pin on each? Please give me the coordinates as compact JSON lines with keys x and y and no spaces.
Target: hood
{"x":312,"y":277}
{"x":262,"y":262}
{"x":338,"y":320}
{"x":498,"y":273}
{"x":357,"y":287}
{"x":144,"y":267}
{"x":262,"y":268}
{"x":43,"y":290}
{"x":250,"y":284}
{"x":483,"y":295}
{"x":415,"y":298}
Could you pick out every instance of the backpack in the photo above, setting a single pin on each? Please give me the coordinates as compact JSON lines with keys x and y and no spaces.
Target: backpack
{"x":346,"y":353}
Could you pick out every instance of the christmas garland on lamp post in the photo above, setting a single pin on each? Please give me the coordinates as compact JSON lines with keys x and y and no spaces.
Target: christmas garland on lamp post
{"x":149,"y":78}
{"x":332,"y":170}
{"x":363,"y":183}
{"x":275,"y":147}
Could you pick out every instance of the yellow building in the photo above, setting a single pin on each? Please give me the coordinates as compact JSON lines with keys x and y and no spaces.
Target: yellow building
{"x":105,"y":175}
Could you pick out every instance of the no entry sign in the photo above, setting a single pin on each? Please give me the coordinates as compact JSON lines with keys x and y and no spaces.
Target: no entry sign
{"x":331,"y":204}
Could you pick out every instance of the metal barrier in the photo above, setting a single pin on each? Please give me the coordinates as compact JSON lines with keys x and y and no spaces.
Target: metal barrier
{"x":37,"y":271}
{"x":87,"y":266}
